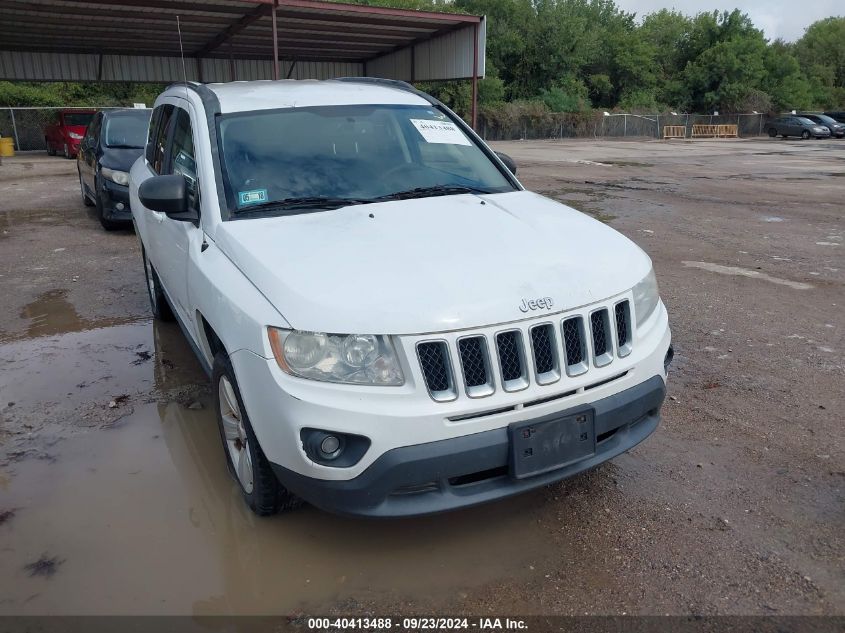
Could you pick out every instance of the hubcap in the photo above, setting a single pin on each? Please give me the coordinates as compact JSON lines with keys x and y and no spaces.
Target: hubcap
{"x":234,"y":433}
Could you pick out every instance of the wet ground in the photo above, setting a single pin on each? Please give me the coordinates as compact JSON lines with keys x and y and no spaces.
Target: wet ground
{"x":114,"y":497}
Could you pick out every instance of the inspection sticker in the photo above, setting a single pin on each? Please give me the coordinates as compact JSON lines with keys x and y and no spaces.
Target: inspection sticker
{"x":252,"y":197}
{"x":440,"y":132}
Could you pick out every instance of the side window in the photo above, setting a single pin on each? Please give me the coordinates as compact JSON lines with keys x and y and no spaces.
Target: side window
{"x":93,"y":131}
{"x":151,"y":134}
{"x":181,"y":156}
{"x":160,"y":141}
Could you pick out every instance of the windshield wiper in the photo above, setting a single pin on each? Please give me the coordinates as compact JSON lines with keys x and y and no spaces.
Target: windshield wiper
{"x":436,"y":190}
{"x":319,"y":203}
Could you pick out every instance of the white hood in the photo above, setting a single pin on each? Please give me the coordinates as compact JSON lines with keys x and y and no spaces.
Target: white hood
{"x":431,"y":264}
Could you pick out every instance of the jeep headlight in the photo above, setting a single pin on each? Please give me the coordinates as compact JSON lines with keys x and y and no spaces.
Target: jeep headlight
{"x":646,"y":297}
{"x":118,"y":177}
{"x":361,"y":359}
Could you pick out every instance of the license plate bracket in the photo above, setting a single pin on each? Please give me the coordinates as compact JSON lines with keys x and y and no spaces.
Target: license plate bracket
{"x":540,"y":446}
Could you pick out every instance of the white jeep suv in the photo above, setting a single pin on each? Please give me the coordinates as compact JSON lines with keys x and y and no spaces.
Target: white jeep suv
{"x":392,"y":324}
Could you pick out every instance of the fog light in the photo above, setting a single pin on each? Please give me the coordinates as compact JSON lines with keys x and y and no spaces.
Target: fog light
{"x":119,"y":206}
{"x":330,"y":446}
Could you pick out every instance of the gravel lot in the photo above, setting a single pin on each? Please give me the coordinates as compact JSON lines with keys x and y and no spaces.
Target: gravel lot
{"x":114,"y":496}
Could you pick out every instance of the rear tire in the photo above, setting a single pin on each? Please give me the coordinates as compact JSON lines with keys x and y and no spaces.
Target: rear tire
{"x":246,"y":461}
{"x":158,"y":302}
{"x":66,"y":152}
{"x":805,"y":134}
{"x":51,"y":151}
{"x":772,"y":132}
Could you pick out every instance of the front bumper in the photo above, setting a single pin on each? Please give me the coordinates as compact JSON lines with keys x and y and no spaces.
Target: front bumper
{"x":473,"y":469}
{"x":112,"y":196}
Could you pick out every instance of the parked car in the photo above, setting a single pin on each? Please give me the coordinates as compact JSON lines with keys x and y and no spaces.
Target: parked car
{"x":836,"y":116}
{"x":115,"y":139}
{"x":836,"y":129}
{"x":393,"y":325}
{"x":66,"y":130}
{"x":797,"y":126}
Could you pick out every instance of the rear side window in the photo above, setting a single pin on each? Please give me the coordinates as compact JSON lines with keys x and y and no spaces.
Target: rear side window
{"x":156,"y":141}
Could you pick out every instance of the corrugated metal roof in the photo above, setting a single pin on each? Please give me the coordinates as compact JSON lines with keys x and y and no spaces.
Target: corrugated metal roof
{"x":307,"y":29}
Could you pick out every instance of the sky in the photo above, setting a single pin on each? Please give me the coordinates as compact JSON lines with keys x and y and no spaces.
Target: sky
{"x":785,"y":19}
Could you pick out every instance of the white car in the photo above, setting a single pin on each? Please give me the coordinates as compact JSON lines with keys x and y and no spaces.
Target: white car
{"x":392,"y":324}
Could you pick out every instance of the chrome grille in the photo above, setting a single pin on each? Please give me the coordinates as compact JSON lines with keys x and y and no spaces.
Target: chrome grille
{"x":473,"y":361}
{"x":511,"y":360}
{"x":574,"y":346}
{"x":541,"y":339}
{"x":436,"y":369}
{"x":622,"y":315}
{"x":541,"y":353}
{"x":602,"y":338}
{"x":545,"y":352}
{"x":509,"y":356}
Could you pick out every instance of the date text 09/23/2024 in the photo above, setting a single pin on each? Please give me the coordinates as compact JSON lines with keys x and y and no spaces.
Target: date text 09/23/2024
{"x":416,"y":624}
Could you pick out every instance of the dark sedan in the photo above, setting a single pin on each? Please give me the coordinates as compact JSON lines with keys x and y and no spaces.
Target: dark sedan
{"x":836,"y":116}
{"x":796,"y":126}
{"x":113,"y":142}
{"x":836,"y":128}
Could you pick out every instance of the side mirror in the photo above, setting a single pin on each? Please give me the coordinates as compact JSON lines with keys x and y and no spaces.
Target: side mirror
{"x":508,"y":161}
{"x":167,"y":194}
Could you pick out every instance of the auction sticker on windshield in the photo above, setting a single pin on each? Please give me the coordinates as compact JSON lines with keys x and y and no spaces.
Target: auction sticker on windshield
{"x":252,"y":197}
{"x":440,"y":132}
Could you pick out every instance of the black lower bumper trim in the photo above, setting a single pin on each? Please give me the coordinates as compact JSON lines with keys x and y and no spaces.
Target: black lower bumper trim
{"x":430,"y":478}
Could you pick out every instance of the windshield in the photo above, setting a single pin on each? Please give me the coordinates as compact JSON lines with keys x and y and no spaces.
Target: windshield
{"x":806,"y":121}
{"x":350,"y":152}
{"x":78,"y":118}
{"x":127,"y":129}
{"x":825,"y":119}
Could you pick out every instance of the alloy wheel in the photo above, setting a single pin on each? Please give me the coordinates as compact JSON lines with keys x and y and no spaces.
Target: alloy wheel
{"x":234,"y":433}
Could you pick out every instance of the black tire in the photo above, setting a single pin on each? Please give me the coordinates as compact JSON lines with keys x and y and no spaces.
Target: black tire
{"x":51,"y":151}
{"x":267,"y":496}
{"x":108,"y":225}
{"x":805,"y":134}
{"x":85,"y":199}
{"x":158,"y":301}
{"x":773,"y":132}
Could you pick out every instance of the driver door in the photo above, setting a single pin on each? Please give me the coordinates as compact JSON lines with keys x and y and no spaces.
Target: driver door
{"x":177,"y":237}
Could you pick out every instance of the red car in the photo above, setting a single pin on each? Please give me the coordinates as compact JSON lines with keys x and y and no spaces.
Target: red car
{"x":66,"y":131}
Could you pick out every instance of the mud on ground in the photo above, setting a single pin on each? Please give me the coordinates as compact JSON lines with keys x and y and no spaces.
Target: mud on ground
{"x":114,"y":496}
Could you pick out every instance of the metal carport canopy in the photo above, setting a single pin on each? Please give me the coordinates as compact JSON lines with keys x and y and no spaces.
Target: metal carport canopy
{"x":229,"y":40}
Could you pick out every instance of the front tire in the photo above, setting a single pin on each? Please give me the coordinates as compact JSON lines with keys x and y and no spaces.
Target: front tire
{"x":246,"y":461}
{"x":772,"y":132}
{"x":85,"y":199}
{"x":66,"y":152}
{"x":158,"y":302}
{"x":108,"y":225}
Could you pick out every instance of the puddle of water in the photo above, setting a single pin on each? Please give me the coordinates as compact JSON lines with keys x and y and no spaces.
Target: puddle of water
{"x":745,"y":272}
{"x":50,"y":375}
{"x":147,"y":520}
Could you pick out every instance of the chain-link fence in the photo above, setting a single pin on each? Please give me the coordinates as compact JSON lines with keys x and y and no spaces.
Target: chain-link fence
{"x":546,"y":125}
{"x":26,"y":125}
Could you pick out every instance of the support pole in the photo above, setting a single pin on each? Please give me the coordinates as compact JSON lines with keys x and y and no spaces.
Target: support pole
{"x":275,"y":43}
{"x":233,"y":75}
{"x":15,"y":129}
{"x":475,"y":77}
